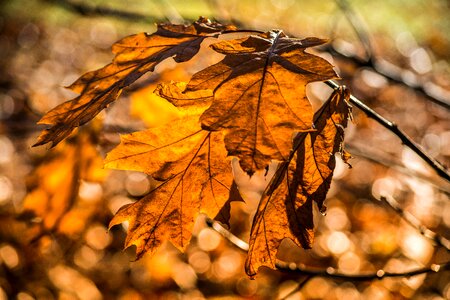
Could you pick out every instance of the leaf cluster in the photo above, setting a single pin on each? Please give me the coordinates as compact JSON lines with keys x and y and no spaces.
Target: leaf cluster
{"x":251,"y":105}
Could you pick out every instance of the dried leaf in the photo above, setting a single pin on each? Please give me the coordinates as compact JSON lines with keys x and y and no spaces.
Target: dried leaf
{"x":285,"y":210}
{"x":135,"y":56}
{"x":196,"y":179}
{"x":259,"y":95}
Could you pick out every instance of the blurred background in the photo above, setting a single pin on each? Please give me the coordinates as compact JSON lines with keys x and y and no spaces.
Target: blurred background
{"x":55,"y":205}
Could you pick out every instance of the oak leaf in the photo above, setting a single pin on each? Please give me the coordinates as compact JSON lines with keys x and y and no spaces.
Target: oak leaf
{"x":135,"y":55}
{"x":285,"y":210}
{"x":195,"y":178}
{"x":259,"y":94}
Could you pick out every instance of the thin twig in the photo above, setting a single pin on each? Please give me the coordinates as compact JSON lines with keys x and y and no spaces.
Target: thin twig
{"x":411,"y":220}
{"x":380,"y":274}
{"x":227,"y":234}
{"x":91,"y":10}
{"x":292,"y":267}
{"x":406,"y":140}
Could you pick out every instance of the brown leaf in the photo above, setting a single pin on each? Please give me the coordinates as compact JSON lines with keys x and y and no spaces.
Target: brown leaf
{"x":285,"y":210}
{"x":196,"y":179}
{"x":135,"y":56}
{"x":259,"y":94}
{"x":55,"y":186}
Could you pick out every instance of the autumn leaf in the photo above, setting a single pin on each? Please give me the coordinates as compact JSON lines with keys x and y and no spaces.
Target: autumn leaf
{"x":285,"y":210}
{"x":195,"y":178}
{"x":135,"y":56}
{"x":259,"y":95}
{"x":55,"y":186}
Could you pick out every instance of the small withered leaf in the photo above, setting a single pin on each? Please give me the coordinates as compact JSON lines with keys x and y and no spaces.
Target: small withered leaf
{"x":285,"y":210}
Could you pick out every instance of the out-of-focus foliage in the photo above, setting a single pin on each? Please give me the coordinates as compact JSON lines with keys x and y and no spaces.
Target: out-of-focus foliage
{"x":64,"y":189}
{"x":44,"y":47}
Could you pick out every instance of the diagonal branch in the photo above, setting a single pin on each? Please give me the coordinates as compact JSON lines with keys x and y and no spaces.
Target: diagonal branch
{"x":292,"y":267}
{"x":406,"y":140}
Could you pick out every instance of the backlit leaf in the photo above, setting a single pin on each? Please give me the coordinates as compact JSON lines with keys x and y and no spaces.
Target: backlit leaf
{"x":259,"y":94}
{"x":285,"y":210}
{"x":135,"y":56}
{"x":196,"y":178}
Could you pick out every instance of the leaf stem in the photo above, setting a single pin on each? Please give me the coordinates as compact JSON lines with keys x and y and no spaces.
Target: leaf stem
{"x":440,"y":169}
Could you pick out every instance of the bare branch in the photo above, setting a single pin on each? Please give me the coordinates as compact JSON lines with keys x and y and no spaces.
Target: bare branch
{"x":292,"y":267}
{"x":406,"y":140}
{"x":380,"y":274}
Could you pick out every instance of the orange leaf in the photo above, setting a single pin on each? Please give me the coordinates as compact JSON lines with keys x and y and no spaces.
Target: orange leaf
{"x":135,"y":56}
{"x":259,"y":95}
{"x":196,"y":179}
{"x":285,"y":210}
